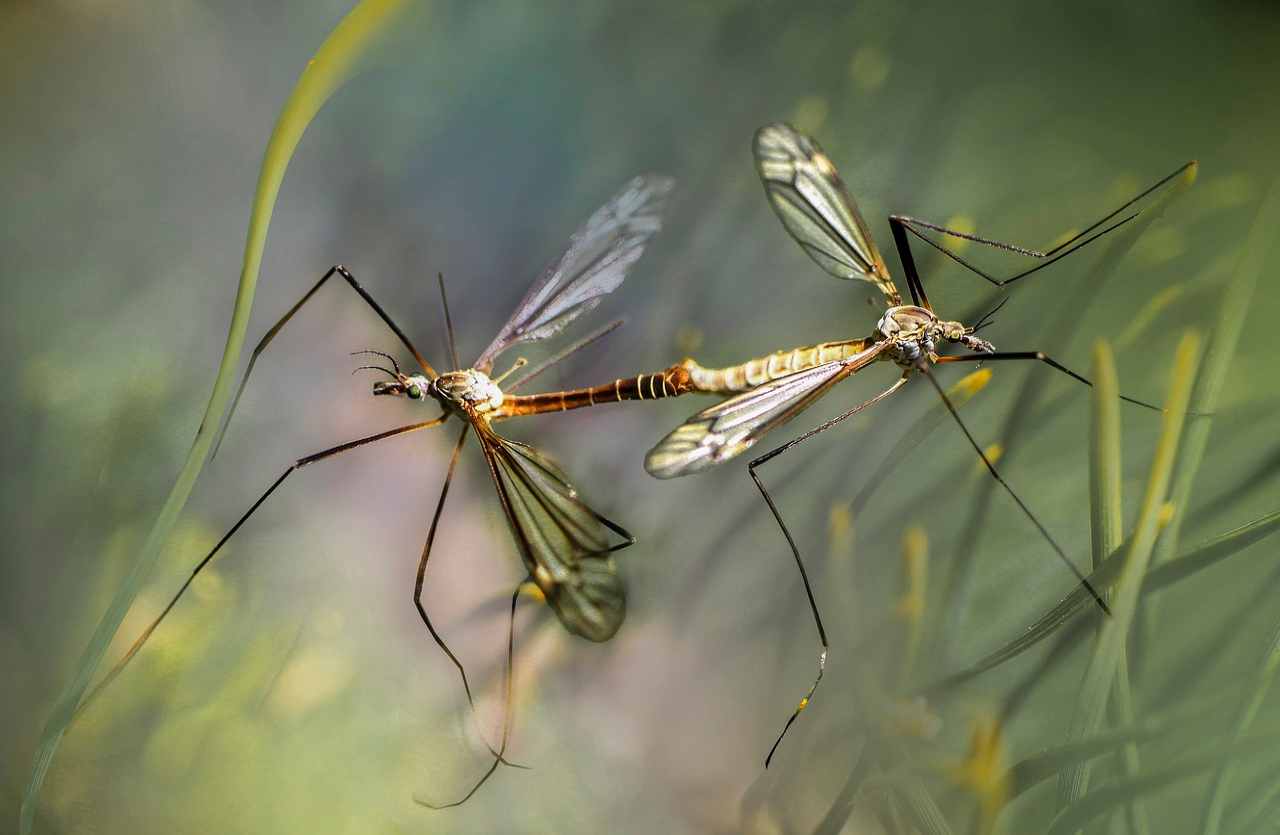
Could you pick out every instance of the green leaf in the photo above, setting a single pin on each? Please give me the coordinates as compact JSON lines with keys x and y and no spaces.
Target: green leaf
{"x":1197,"y":559}
{"x":1100,"y":801}
{"x":921,"y":808}
{"x":1100,"y":675}
{"x":1035,"y":769}
{"x":1106,"y":512}
{"x":1218,"y":360}
{"x":1219,"y":357}
{"x":334,"y":63}
{"x":1107,"y":533}
{"x":1215,"y":802}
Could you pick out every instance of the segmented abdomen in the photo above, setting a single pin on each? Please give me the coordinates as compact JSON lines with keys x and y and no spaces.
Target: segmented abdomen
{"x":752,"y":373}
{"x":672,"y":382}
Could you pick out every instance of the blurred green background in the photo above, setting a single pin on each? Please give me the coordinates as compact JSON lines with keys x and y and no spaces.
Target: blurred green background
{"x":295,"y":691}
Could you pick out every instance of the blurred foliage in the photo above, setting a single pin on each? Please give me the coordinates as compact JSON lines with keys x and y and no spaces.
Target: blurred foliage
{"x":295,"y":690}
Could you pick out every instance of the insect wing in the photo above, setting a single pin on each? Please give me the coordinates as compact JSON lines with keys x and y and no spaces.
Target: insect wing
{"x":597,"y":260}
{"x":563,"y":543}
{"x":727,"y":429}
{"x":805,"y":191}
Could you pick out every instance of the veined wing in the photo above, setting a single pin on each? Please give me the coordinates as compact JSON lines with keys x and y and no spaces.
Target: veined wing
{"x":564,"y":543}
{"x":597,"y":260}
{"x":727,"y":429}
{"x":805,"y":191}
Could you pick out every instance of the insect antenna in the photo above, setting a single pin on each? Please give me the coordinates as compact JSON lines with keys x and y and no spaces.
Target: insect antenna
{"x":374,"y":368}
{"x":987,"y":318}
{"x":382,"y":354}
{"x":991,"y":467}
{"x":448,"y":322}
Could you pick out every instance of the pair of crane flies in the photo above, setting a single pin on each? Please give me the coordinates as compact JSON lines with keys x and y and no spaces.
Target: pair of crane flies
{"x":563,"y":542}
{"x":810,"y":199}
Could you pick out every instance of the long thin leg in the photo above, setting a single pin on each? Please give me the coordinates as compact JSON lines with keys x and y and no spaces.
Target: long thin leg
{"x":1084,"y":581}
{"x":296,"y":465}
{"x":339,"y":270}
{"x":426,"y":554}
{"x":901,"y":224}
{"x":421,"y":575}
{"x":795,"y":550}
{"x":498,"y":755}
{"x":1038,"y":356}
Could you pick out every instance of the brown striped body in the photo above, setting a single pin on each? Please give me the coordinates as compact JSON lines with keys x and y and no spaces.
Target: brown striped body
{"x":748,"y":375}
{"x":672,"y":382}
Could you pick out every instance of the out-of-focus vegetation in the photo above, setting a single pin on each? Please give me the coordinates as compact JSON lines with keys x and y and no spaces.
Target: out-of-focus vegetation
{"x":295,"y":689}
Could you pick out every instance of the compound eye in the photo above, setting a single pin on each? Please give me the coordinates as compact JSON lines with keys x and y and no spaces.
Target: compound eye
{"x":414,"y":392}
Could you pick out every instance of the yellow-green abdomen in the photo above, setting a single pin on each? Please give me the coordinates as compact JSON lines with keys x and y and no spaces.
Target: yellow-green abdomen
{"x":748,"y":375}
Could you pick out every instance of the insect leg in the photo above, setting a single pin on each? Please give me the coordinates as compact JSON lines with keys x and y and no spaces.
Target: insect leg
{"x":901,"y":224}
{"x":1038,"y":356}
{"x":507,"y":676}
{"x":795,"y":550}
{"x":421,"y":575}
{"x":426,"y":554}
{"x":991,"y":467}
{"x":346,"y":275}
{"x":295,"y":466}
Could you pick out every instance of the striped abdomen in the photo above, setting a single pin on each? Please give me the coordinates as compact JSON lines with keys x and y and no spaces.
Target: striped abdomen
{"x":761,"y":370}
{"x":669,"y":383}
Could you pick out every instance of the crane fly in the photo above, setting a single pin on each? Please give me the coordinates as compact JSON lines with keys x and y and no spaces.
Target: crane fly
{"x":808,"y":196}
{"x":563,"y":542}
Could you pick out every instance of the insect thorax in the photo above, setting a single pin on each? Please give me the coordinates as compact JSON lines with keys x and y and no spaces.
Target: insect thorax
{"x":914,"y":332}
{"x":470,"y":387}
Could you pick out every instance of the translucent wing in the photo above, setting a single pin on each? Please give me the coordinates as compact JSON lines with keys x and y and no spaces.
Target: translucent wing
{"x":727,"y":429}
{"x":805,"y":191}
{"x":596,"y":262}
{"x":563,"y":543}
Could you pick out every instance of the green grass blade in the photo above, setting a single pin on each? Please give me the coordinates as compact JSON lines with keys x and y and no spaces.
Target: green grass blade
{"x":333,"y":64}
{"x":1198,"y":660}
{"x":1036,"y":768}
{"x":1213,"y":551}
{"x":1216,"y":800}
{"x":1122,"y":705}
{"x":842,"y":807}
{"x":1219,"y":356}
{"x":921,"y":808}
{"x":1106,"y":515}
{"x":1197,"y":559}
{"x":956,"y":586}
{"x":1106,"y":512}
{"x":1099,"y":677}
{"x":1253,"y":803}
{"x":1111,"y":796}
